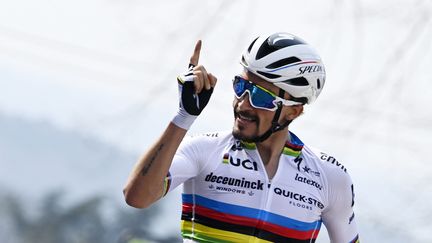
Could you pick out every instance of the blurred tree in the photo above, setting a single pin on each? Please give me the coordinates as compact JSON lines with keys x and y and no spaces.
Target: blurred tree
{"x":54,"y":223}
{"x":82,"y":222}
{"x":135,"y":226}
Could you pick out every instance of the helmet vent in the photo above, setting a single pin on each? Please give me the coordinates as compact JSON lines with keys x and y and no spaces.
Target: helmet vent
{"x":266,"y":49}
{"x":243,"y":60}
{"x":283,"y":62}
{"x":318,"y":83}
{"x":276,"y":42}
{"x":300,"y":81}
{"x":250,"y":46}
{"x":269,"y":75}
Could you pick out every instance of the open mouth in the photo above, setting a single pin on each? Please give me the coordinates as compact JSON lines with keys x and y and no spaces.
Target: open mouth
{"x":243,"y":116}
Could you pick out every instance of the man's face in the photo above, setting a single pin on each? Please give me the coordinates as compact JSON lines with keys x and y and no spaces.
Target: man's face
{"x":249,"y":122}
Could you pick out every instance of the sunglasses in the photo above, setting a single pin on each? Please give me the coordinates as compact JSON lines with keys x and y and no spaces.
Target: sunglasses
{"x":259,"y":97}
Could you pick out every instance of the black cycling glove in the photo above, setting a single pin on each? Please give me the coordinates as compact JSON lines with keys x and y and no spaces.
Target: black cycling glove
{"x":190,"y":103}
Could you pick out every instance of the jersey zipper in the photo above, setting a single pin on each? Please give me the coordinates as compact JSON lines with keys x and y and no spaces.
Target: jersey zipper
{"x":265,"y":198}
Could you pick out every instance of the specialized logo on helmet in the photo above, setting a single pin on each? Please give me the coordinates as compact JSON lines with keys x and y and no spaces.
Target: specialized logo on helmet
{"x":310,"y":69}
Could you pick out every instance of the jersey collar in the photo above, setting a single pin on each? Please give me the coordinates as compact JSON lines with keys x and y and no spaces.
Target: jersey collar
{"x":293,"y":146}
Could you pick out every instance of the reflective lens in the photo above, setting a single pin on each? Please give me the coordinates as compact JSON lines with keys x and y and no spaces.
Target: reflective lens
{"x":258,"y":96}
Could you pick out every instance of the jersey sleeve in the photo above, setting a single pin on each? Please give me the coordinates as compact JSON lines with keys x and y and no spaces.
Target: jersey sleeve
{"x":187,"y":162}
{"x":339,"y":217}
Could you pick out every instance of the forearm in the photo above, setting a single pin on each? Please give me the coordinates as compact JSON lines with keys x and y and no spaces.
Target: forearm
{"x":146,"y":182}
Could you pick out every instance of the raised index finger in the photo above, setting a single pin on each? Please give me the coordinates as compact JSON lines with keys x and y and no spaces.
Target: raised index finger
{"x":195,"y":56}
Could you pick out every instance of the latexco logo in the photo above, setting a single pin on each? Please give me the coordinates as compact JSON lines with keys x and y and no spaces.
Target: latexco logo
{"x":307,"y":181}
{"x":247,"y":164}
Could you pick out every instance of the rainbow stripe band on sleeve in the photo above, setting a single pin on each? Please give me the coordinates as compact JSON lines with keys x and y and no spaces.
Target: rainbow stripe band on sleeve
{"x":355,"y":240}
{"x":167,"y":184}
{"x":207,"y":220}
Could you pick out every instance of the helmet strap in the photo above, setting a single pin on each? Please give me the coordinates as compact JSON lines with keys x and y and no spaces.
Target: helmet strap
{"x":275,"y":126}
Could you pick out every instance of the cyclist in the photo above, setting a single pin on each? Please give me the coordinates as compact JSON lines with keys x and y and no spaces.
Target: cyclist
{"x":258,"y":183}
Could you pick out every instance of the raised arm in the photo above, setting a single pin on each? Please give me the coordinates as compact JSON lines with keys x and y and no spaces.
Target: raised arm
{"x":146,"y":182}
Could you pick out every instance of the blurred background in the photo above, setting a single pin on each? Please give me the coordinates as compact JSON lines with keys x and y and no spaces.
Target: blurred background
{"x":86,"y":86}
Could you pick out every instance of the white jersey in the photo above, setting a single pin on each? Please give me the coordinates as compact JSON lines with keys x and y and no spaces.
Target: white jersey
{"x":228,"y":197}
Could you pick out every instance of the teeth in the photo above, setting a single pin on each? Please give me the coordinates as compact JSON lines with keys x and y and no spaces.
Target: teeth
{"x":245,"y":118}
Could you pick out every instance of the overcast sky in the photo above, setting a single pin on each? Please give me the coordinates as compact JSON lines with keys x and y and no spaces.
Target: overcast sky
{"x":107,"y":69}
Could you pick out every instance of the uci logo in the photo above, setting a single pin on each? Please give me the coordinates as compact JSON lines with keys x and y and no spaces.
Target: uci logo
{"x":247,"y":164}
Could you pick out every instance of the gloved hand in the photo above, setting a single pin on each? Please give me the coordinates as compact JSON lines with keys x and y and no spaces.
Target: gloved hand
{"x":195,"y":88}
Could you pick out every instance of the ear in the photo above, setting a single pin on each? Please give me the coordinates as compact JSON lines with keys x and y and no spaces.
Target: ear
{"x":294,"y":112}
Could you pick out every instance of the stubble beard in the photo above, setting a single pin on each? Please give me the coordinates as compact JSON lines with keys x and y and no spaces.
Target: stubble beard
{"x":238,"y":131}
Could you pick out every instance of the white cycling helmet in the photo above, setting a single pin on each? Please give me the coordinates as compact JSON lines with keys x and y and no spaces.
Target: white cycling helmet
{"x":289,"y":63}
